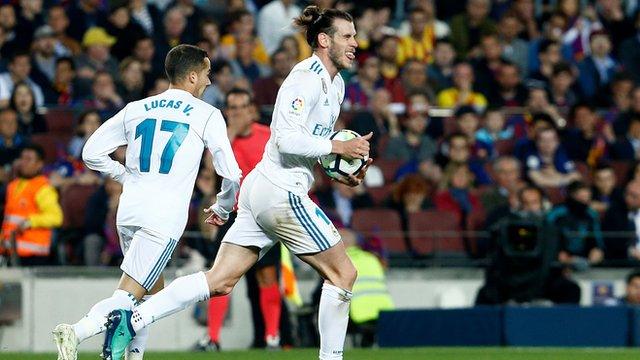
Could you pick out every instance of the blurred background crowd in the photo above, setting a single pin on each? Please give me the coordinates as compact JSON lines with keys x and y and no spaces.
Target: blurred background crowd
{"x":484,"y":113}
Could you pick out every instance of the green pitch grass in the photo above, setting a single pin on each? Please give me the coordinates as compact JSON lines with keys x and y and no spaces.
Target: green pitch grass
{"x":384,"y":354}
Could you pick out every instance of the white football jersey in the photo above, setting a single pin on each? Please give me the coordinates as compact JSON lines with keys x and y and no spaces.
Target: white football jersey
{"x":165,"y":136}
{"x":305,"y":112}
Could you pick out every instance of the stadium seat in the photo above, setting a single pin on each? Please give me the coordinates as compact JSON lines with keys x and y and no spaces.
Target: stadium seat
{"x":383,"y":141}
{"x":504,"y":147}
{"x":621,"y":169}
{"x":60,"y":120}
{"x":481,"y":190}
{"x":389,"y":168}
{"x":384,"y":223}
{"x":584,"y":170}
{"x":434,"y":231}
{"x":473,"y":227}
{"x":488,"y":169}
{"x":380,"y":194}
{"x":73,"y":200}
{"x":54,"y":145}
{"x":556,"y":195}
{"x":450,"y":125}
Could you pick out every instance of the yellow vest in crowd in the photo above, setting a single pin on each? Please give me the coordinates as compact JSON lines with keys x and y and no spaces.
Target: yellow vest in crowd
{"x":370,"y":295}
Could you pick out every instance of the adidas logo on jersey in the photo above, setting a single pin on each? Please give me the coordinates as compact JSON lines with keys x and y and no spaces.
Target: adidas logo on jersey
{"x":326,"y":102}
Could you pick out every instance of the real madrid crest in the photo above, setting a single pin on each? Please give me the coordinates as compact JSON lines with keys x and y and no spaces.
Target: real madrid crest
{"x":324,"y":86}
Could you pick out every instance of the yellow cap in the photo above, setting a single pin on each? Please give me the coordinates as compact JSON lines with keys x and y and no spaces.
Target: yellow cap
{"x":97,"y":36}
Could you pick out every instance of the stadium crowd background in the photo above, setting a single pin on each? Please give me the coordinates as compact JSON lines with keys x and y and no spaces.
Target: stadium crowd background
{"x":479,"y":110}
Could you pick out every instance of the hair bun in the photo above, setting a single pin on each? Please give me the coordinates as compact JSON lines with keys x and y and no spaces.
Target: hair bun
{"x":310,"y":14}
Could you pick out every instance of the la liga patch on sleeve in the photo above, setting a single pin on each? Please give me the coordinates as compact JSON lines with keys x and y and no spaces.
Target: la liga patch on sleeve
{"x":297,"y":105}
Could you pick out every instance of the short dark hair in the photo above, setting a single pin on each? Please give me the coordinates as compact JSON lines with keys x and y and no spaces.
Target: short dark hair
{"x":580,"y":105}
{"x":8,"y":110}
{"x":543,"y":117}
{"x":279,"y":50}
{"x":315,"y":21}
{"x":455,"y":135}
{"x":142,"y":38}
{"x":546,"y":44}
{"x":85,"y":114}
{"x":238,"y":91}
{"x":632,"y":275}
{"x":66,"y":59}
{"x":237,"y":15}
{"x":531,"y":187}
{"x":183,"y":59}
{"x":39,"y":150}
{"x":443,"y":41}
{"x":464,"y":110}
{"x":561,"y":67}
{"x":218,"y":65}
{"x":576,"y":186}
{"x":603,"y":165}
{"x":634,"y":118}
{"x":17,"y":54}
{"x":416,"y":10}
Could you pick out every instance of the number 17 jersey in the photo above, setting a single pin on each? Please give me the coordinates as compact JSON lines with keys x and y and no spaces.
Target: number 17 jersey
{"x":165,"y":136}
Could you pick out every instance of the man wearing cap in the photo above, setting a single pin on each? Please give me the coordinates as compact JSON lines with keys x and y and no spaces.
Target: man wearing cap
{"x":96,"y":43}
{"x":44,"y":56}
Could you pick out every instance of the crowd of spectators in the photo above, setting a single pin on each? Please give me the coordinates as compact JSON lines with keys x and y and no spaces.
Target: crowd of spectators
{"x":472,"y":103}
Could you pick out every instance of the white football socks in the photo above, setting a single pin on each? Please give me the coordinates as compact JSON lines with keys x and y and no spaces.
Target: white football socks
{"x":182,"y":292}
{"x":139,"y":342}
{"x":333,"y":318}
{"x":94,"y":322}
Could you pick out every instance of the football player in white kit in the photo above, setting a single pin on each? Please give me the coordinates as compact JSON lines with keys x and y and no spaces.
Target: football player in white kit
{"x":165,"y":136}
{"x":274,"y":204}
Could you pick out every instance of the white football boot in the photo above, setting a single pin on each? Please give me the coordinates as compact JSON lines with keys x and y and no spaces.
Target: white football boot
{"x":66,"y":341}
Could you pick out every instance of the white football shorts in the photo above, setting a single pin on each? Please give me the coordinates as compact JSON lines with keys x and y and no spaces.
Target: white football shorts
{"x":268,"y":214}
{"x":146,"y":253}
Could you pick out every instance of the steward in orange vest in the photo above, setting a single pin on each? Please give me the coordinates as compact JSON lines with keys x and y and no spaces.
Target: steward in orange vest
{"x":31,"y":209}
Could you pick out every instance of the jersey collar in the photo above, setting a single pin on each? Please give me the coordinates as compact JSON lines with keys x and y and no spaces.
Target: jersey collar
{"x":317,"y":66}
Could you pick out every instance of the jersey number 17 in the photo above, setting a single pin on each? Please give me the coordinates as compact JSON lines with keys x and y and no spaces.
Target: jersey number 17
{"x":146,"y":129}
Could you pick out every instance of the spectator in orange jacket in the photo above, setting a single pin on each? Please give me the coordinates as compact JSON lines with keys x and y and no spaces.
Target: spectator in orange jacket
{"x":31,"y":210}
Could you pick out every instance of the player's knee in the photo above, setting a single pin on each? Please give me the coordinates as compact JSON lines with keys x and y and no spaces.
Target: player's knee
{"x":351,"y":274}
{"x":345,"y":277}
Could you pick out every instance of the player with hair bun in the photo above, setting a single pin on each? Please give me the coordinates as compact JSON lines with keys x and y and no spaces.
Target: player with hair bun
{"x":274,"y":204}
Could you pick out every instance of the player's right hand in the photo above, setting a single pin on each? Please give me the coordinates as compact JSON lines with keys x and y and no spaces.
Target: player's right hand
{"x":356,"y":148}
{"x":213,"y":219}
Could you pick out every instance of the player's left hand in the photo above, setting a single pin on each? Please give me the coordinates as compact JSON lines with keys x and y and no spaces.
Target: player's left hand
{"x":355,"y":180}
{"x":213,"y":219}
